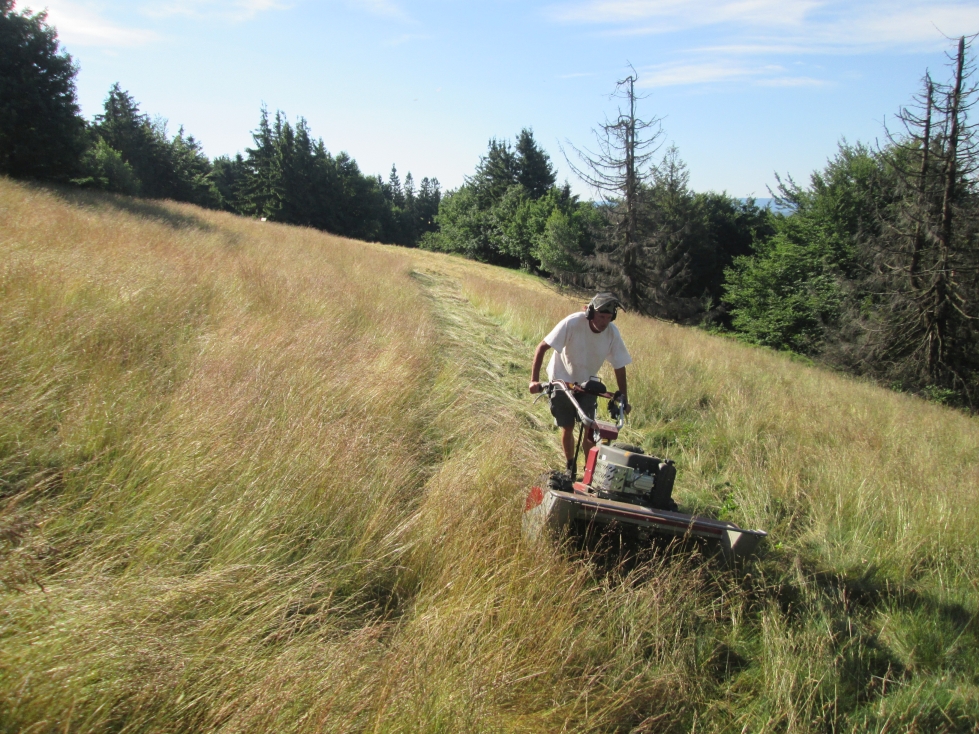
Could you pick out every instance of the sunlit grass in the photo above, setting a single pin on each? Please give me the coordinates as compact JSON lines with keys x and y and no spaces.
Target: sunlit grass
{"x":259,"y":478}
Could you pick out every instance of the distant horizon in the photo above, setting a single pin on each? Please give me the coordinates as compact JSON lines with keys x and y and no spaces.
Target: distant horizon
{"x":743,"y":92}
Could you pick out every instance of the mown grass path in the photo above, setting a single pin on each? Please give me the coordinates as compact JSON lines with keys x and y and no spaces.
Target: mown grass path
{"x":494,"y":364}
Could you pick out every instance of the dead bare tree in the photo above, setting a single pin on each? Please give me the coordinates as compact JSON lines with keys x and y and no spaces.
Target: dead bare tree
{"x":925,"y":331}
{"x":617,"y":169}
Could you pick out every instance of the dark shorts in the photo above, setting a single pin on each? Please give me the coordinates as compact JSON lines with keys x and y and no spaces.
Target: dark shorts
{"x":564,"y":412}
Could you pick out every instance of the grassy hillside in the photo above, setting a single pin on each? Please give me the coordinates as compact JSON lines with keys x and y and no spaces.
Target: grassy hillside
{"x":257,"y":478}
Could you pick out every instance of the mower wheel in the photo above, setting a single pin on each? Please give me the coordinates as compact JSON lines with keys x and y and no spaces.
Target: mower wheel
{"x":630,"y":447}
{"x":559,"y":480}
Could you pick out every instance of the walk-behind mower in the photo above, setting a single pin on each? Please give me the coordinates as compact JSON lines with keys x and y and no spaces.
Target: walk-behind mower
{"x":624,"y":491}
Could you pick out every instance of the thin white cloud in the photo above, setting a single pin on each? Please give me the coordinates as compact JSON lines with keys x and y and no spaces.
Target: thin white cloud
{"x":809,"y":26}
{"x":234,"y":10}
{"x":745,"y":35}
{"x":719,"y":71}
{"x":382,"y":9}
{"x":680,"y":74}
{"x":792,"y":81}
{"x":679,"y":14}
{"x":82,"y":25}
{"x":905,"y":26}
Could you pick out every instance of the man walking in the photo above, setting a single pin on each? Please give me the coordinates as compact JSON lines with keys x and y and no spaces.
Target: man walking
{"x":582,"y":343}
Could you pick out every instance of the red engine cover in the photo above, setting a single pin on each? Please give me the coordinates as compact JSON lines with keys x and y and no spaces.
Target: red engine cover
{"x":607,"y":431}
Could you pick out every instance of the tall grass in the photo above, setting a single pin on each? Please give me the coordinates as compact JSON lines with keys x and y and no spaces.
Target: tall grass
{"x":258,"y":478}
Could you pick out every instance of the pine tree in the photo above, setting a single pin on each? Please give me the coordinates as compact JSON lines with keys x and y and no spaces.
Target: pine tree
{"x":394,"y":190}
{"x":427,"y":206}
{"x":191,"y":168}
{"x":130,"y":132}
{"x":260,"y":192}
{"x":228,"y":175}
{"x":496,"y":172}
{"x":42,"y":134}
{"x":535,"y":172}
{"x":669,"y":226}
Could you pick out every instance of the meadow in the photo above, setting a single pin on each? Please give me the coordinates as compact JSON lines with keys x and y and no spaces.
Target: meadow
{"x":260,"y":478}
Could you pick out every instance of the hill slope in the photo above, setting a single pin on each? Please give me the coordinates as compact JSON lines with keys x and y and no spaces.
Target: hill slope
{"x":258,"y":478}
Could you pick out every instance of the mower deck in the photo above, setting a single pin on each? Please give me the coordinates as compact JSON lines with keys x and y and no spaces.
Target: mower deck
{"x":549,"y":509}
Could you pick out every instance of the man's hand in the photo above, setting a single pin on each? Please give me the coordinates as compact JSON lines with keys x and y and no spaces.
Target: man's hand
{"x":535,"y":387}
{"x":621,"y":399}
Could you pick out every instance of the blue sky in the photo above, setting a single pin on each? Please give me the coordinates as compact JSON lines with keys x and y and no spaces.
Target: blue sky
{"x":745,"y":87}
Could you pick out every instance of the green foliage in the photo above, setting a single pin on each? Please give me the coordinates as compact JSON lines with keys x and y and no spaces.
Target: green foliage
{"x":41,"y":132}
{"x":496,"y":172}
{"x":463,"y":227}
{"x":288,"y":177}
{"x":670,"y":227}
{"x":729,"y":228}
{"x":683,"y":242}
{"x":192,"y":170}
{"x":535,"y":172}
{"x":788,"y":293}
{"x":227,"y":175}
{"x":501,"y":214}
{"x":559,"y":249}
{"x":259,"y":193}
{"x":158,"y":167}
{"x":124,"y":128}
{"x":104,"y":168}
{"x":412,"y":213}
{"x":792,"y":291}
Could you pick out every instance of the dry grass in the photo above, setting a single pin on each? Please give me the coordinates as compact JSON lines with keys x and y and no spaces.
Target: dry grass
{"x":258,"y":478}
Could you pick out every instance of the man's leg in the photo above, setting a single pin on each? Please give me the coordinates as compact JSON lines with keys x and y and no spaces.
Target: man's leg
{"x":564,"y":418}
{"x":567,"y":443}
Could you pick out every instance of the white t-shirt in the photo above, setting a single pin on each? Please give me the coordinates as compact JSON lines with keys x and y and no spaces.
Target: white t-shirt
{"x":579,"y":353}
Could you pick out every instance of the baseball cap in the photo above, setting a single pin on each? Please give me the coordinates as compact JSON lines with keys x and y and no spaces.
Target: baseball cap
{"x":606,"y":303}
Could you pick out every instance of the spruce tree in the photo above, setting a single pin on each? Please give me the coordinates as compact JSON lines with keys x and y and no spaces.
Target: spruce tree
{"x":535,"y":172}
{"x":394,"y":191}
{"x":260,"y":191}
{"x":41,"y":131}
{"x":496,"y":172}
{"x":228,"y":175}
{"x":191,"y":169}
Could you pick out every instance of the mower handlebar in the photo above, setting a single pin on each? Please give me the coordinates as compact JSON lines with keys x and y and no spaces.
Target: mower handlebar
{"x":548,"y":388}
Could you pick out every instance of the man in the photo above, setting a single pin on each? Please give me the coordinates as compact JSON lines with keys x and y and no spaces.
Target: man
{"x":582,"y":343}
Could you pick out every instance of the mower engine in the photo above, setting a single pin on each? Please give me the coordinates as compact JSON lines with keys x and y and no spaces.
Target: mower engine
{"x":625,"y":473}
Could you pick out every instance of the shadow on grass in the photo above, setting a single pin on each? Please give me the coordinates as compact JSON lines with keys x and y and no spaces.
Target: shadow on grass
{"x":869,"y":591}
{"x":142,"y":208}
{"x":887,"y":641}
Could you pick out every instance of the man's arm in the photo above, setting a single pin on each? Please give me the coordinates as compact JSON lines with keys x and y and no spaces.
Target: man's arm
{"x":623,"y":387}
{"x":535,"y":369}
